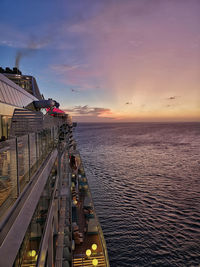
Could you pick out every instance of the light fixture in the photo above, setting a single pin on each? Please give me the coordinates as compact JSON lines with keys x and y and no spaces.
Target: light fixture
{"x":95,"y":262}
{"x":88,"y":252}
{"x":75,"y":202}
{"x":94,"y":246}
{"x":32,"y":253}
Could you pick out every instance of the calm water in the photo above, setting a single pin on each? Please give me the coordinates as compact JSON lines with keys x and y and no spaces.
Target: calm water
{"x":145,"y":182}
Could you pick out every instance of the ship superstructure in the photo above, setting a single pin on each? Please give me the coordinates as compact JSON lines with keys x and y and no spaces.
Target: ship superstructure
{"x":47,"y":217}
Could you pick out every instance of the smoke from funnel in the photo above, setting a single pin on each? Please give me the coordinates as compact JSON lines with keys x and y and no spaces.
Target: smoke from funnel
{"x":22,"y":53}
{"x":32,"y":47}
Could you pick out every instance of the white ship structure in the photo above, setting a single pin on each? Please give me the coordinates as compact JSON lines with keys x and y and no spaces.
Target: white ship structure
{"x":47,"y":216}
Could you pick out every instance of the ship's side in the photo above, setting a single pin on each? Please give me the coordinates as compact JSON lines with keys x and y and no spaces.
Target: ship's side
{"x":44,"y":219}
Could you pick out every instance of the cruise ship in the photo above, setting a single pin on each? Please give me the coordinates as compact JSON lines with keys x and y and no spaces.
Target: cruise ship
{"x":47,"y":216}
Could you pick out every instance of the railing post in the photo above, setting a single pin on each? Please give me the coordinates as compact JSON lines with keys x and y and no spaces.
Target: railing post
{"x":17,"y":167}
{"x":36,"y":148}
{"x":29,"y":159}
{"x":53,"y":137}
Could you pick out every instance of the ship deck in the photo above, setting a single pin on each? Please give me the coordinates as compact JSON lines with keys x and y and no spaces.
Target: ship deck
{"x":86,"y":230}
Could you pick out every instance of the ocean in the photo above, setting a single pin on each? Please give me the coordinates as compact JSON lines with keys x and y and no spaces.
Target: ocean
{"x":145,"y":183}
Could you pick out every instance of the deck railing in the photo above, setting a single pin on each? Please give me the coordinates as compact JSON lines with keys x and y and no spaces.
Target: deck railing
{"x":20,"y":158}
{"x":104,"y":253}
{"x":101,"y":237}
{"x":103,"y":243}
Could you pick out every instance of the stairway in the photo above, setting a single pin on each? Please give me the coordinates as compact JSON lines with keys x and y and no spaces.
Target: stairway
{"x":87,"y":262}
{"x":25,"y":121}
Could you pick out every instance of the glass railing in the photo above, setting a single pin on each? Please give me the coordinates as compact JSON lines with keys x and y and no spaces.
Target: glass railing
{"x":30,"y":247}
{"x":100,"y":233}
{"x":101,"y":236}
{"x":103,"y":243}
{"x":19,"y":160}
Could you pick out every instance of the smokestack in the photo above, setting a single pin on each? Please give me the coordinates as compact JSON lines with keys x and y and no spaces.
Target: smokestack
{"x":8,"y":70}
{"x":1,"y":70}
{"x":16,"y":71}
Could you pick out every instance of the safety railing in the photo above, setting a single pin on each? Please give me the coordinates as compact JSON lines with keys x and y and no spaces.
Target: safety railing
{"x":102,"y":256}
{"x":20,"y":158}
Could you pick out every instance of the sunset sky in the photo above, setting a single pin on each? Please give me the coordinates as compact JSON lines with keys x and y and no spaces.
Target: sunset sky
{"x":109,"y":60}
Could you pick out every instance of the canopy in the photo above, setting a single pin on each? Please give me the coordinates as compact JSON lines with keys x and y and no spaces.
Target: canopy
{"x":56,"y":110}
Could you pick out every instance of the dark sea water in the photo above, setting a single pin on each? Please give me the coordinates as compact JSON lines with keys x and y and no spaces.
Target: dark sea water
{"x":145,"y":182}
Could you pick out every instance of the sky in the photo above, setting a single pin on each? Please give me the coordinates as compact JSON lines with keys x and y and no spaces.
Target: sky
{"x":108,"y":60}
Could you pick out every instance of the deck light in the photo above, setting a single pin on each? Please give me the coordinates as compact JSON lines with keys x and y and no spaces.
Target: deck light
{"x":88,"y":252}
{"x":94,"y":246}
{"x":95,"y":262}
{"x":32,"y":253}
{"x":75,"y":202}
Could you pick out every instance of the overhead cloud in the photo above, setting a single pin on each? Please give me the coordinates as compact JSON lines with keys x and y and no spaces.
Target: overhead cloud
{"x":90,"y":111}
{"x":77,"y":75}
{"x":26,"y":44}
{"x":171,"y":98}
{"x":64,"y":67}
{"x":120,"y":47}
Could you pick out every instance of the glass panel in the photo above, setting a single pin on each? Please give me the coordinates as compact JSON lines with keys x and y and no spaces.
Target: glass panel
{"x":8,"y":181}
{"x":23,"y":161}
{"x":4,"y":125}
{"x":25,"y":152}
{"x":28,"y":253}
{"x":33,"y":153}
{"x":1,"y":127}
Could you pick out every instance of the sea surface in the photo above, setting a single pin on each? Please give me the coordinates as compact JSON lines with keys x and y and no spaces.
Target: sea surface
{"x":145,"y":183}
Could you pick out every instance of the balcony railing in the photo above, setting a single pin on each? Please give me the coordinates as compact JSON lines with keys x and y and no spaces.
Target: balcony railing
{"x":20,"y":158}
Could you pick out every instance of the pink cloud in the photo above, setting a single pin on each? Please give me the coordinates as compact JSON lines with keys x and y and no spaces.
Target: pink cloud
{"x":80,"y":75}
{"x":89,"y":111}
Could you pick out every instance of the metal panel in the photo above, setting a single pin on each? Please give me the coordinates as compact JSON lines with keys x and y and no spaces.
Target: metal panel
{"x":1,"y":93}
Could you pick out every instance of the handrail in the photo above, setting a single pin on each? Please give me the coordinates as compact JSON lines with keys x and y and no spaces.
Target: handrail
{"x":14,"y":237}
{"x":45,"y":238}
{"x":26,"y":154}
{"x":21,"y":196}
{"x":102,"y":239}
